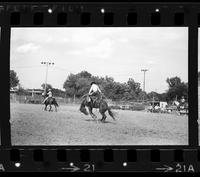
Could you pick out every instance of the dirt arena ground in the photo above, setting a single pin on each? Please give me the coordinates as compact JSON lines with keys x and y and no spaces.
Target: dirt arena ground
{"x":31,"y":125}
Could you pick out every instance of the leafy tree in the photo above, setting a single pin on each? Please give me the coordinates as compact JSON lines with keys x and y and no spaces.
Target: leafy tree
{"x":22,"y":91}
{"x":134,"y":86}
{"x":142,"y":96}
{"x":58,"y":92}
{"x":154,"y":95}
{"x":77,"y":85}
{"x":83,"y":86}
{"x":174,"y":81}
{"x":162,"y":96}
{"x":48,"y":86}
{"x":55,"y":91}
{"x":70,"y":85}
{"x":177,"y":89}
{"x":14,"y":81}
{"x":84,"y":74}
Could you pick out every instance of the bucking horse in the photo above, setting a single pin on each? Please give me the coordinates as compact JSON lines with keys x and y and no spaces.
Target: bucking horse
{"x":95,"y":103}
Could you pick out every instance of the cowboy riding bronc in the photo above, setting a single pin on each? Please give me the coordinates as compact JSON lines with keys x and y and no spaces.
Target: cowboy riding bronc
{"x":94,"y":99}
{"x":94,"y":92}
{"x":49,"y":93}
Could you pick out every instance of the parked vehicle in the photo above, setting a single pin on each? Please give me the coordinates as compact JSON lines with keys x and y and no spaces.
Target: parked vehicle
{"x":157,"y":107}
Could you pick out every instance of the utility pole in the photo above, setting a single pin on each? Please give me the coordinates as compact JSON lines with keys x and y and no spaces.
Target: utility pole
{"x":144,"y":70}
{"x":47,"y":66}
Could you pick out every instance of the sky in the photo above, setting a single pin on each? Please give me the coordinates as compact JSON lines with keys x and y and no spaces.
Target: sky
{"x":120,"y":53}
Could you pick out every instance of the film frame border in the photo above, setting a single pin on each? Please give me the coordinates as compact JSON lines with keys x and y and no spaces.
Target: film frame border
{"x":145,"y":13}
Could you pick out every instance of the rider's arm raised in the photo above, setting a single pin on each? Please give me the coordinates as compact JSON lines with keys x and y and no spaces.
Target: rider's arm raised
{"x":90,"y":90}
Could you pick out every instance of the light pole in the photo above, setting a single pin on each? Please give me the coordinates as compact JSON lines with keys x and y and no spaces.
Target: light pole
{"x":144,"y":70}
{"x":47,"y":66}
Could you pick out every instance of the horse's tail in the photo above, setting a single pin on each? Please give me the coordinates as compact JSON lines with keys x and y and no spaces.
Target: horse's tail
{"x":111,"y":113}
{"x":55,"y":102}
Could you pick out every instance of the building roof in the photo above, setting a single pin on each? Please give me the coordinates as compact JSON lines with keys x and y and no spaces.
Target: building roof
{"x":13,"y":90}
{"x":34,"y":90}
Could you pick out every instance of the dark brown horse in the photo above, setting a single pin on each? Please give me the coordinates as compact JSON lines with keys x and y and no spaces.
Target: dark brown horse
{"x":51,"y":101}
{"x":98,"y":103}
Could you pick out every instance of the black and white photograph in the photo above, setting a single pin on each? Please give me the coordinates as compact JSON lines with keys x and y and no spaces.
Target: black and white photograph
{"x":99,"y":86}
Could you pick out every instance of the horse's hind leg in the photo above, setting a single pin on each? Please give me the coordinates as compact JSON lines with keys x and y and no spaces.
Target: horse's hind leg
{"x":103,"y":115}
{"x":50,"y":107}
{"x":55,"y":108}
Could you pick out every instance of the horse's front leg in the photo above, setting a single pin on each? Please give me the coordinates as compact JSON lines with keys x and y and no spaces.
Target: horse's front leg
{"x":55,"y":108}
{"x":91,"y":113}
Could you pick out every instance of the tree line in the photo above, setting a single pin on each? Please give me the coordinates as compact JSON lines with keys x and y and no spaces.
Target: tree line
{"x":76,"y":85}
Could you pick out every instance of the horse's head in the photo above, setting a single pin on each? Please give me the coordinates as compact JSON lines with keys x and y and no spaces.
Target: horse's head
{"x":82,"y":108}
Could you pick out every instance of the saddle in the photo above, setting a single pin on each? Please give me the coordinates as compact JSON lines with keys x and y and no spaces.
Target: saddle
{"x":50,"y":98}
{"x":93,"y":99}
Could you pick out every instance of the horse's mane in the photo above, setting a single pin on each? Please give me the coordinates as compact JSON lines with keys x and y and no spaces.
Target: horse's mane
{"x":85,"y":95}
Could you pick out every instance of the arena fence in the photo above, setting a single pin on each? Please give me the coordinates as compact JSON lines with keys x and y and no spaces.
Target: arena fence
{"x":37,"y":99}
{"x":122,"y":105}
{"x":118,"y":105}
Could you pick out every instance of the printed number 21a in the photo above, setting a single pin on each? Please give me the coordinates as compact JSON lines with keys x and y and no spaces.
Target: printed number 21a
{"x":184,"y":168}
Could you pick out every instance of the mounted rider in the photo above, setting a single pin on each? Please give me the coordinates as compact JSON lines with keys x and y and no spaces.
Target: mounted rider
{"x":94,"y":92}
{"x":182,"y":100}
{"x":49,"y":95}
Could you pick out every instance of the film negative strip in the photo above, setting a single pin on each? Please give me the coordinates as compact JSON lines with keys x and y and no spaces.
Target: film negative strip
{"x":99,"y":87}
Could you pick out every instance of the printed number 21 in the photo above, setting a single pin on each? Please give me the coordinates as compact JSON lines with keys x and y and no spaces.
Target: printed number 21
{"x":88,"y":167}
